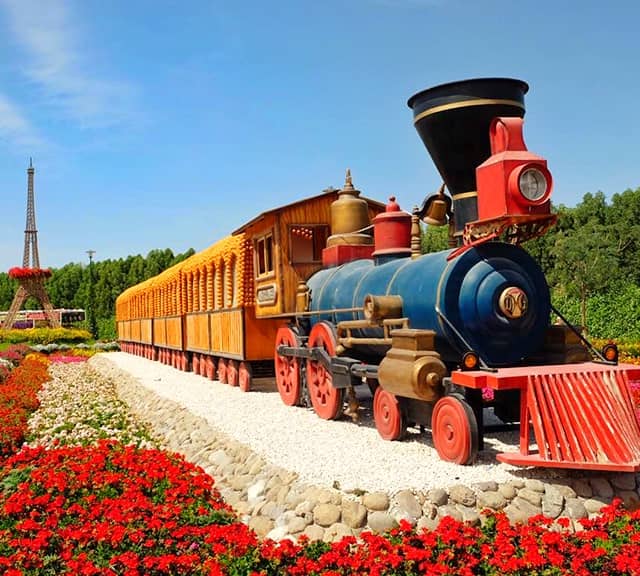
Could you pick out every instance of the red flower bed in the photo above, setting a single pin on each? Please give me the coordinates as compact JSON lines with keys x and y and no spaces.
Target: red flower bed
{"x":111,"y":509}
{"x":20,"y":273}
{"x":18,"y":399}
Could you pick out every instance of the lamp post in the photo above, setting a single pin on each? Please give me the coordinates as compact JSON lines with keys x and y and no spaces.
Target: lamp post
{"x":91,"y":317}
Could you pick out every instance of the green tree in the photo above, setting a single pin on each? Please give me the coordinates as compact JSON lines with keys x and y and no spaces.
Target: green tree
{"x":585,"y":263}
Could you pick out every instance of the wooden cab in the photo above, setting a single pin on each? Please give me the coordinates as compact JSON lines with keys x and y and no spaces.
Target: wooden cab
{"x":287,"y":244}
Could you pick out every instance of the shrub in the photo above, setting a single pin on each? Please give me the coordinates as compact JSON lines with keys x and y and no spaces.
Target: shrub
{"x":45,"y":335}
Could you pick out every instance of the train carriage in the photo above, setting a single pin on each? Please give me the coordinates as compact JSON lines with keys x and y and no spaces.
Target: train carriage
{"x":217,"y":313}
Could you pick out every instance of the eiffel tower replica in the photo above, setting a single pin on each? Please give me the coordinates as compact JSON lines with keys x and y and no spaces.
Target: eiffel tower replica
{"x":30,"y":277}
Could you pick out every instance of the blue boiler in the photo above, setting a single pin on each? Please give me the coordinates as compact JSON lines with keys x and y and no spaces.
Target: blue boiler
{"x":459,"y":299}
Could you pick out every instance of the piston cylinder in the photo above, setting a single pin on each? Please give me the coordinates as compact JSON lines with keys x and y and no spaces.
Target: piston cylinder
{"x":411,"y":368}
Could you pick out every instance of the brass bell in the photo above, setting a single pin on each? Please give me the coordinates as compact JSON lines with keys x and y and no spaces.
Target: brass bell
{"x":437,"y":208}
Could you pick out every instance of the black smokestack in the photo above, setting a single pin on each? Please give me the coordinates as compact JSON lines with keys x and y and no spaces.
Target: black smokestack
{"x":453,"y":121}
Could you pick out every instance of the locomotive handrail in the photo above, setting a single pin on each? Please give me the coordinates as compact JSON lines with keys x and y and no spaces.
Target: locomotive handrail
{"x":601,"y":359}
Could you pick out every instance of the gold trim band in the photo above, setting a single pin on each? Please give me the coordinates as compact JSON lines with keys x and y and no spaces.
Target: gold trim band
{"x":463,"y":195}
{"x":465,"y":104}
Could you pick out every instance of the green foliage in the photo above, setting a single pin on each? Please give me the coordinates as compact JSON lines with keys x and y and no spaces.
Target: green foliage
{"x":434,"y":239}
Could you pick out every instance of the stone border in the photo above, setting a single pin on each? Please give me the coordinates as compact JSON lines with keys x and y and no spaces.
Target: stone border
{"x":277,"y":505}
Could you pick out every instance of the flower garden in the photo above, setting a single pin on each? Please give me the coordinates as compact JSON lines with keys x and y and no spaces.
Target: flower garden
{"x":85,"y":488}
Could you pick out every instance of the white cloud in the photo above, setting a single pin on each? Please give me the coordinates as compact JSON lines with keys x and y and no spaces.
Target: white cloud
{"x":15,"y":128}
{"x":56,"y":63}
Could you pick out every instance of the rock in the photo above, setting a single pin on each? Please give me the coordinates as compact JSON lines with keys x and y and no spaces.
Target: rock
{"x":336,"y":532}
{"x":624,"y":481}
{"x":354,"y":514}
{"x":487,"y":486}
{"x":552,"y":502}
{"x":463,"y":495}
{"x":426,"y":523}
{"x":438,"y":496}
{"x":405,"y":505}
{"x":516,"y":483}
{"x":380,"y":521}
{"x":582,"y":488}
{"x":535,"y":485}
{"x":520,"y":510}
{"x":469,"y":515}
{"x":313,"y":532}
{"x":297,"y":524}
{"x":377,"y":501}
{"x":261,"y":525}
{"x":220,"y":458}
{"x":594,"y":505}
{"x":575,"y":508}
{"x":531,"y":496}
{"x":493,"y":500}
{"x":304,"y":507}
{"x":507,"y":491}
{"x":601,"y":487}
{"x":256,"y":490}
{"x":271,"y":510}
{"x":630,"y":499}
{"x":450,"y":510}
{"x":326,"y":514}
{"x":278,"y":533}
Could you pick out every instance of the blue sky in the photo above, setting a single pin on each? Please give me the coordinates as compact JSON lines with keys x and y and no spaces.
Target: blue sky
{"x":161,"y":123}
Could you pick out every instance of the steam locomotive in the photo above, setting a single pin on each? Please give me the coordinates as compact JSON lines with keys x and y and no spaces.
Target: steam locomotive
{"x":308,"y":290}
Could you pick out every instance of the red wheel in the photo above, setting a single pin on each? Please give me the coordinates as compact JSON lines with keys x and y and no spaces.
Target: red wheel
{"x":244,"y":376}
{"x":222,"y":370}
{"x":232,"y":373}
{"x":455,"y":430}
{"x":387,"y":413}
{"x":287,"y":368}
{"x":203,"y":364}
{"x":195,"y":365}
{"x":326,"y":400}
{"x":210,"y":368}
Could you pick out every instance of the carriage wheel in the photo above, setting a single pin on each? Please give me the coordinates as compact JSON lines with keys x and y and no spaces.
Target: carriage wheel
{"x":210,"y":367}
{"x":387,"y":413}
{"x":455,"y":430}
{"x":326,"y":400}
{"x":195,"y":365}
{"x":222,"y":370}
{"x":244,"y":376}
{"x":287,"y":368}
{"x":232,"y":373}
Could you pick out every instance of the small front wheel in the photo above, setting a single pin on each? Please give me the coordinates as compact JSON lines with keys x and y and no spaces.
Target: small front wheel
{"x":455,"y":430}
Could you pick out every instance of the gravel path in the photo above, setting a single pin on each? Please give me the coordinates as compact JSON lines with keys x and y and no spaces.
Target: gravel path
{"x":337,"y":453}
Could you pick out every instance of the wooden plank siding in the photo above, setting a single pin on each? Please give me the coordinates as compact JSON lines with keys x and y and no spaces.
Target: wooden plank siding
{"x":227,"y":333}
{"x":146,"y":331}
{"x":174,"y":332}
{"x":160,"y":332}
{"x":198,"y":333}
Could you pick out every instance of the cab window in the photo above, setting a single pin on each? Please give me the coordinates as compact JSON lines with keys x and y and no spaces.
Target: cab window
{"x":264,"y":255}
{"x":306,"y":242}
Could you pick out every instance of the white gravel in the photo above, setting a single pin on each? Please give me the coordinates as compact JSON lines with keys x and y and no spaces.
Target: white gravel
{"x":326,"y":453}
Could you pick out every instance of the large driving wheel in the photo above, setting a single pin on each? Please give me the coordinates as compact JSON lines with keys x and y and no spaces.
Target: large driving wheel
{"x":455,"y":430}
{"x":287,"y":367}
{"x":326,"y":400}
{"x":244,"y":376}
{"x":387,"y":413}
{"x":222,"y":370}
{"x":232,"y":373}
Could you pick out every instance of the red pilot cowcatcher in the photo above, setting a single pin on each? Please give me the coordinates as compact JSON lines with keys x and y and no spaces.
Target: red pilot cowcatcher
{"x":514,"y":188}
